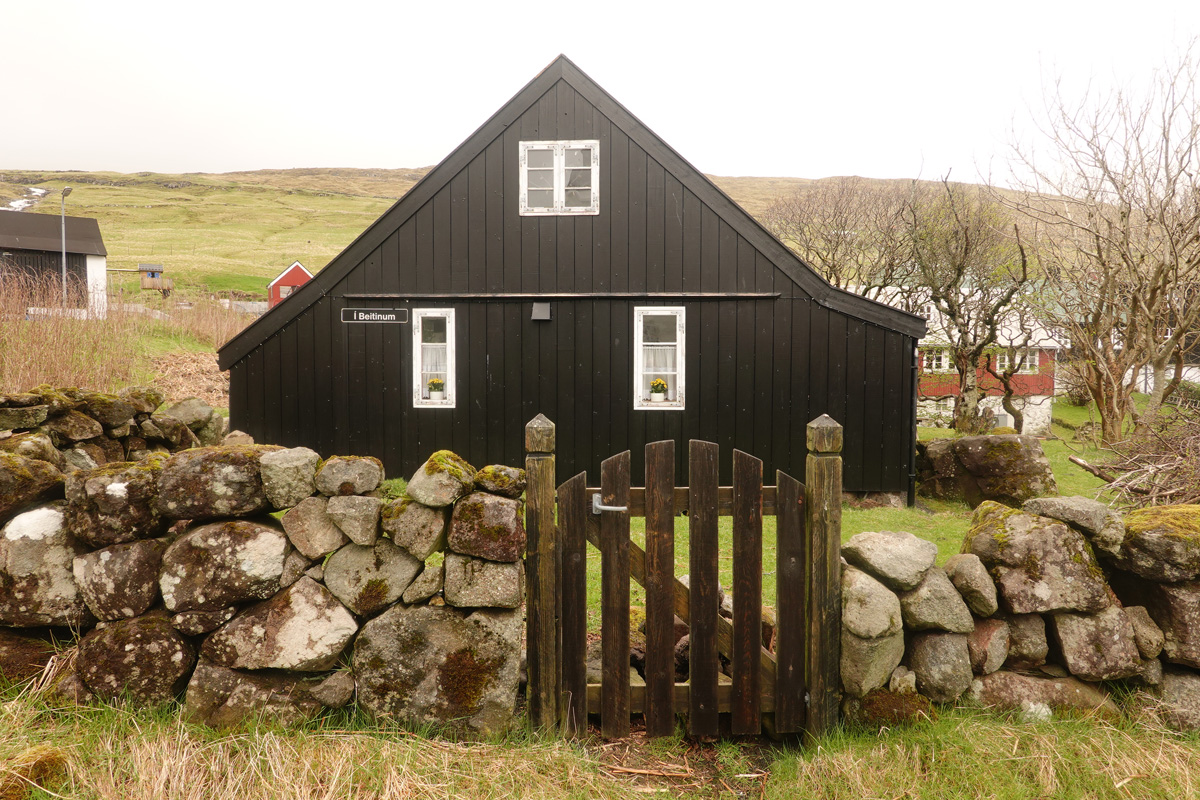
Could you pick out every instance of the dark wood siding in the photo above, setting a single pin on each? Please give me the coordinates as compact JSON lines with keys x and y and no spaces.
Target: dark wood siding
{"x":47,"y":265}
{"x":762,"y":360}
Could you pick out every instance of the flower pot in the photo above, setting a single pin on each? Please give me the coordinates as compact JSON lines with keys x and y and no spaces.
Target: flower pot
{"x":657,"y":397}
{"x":436,"y":396}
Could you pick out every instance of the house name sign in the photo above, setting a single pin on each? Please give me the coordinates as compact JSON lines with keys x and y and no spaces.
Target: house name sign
{"x":375,"y":315}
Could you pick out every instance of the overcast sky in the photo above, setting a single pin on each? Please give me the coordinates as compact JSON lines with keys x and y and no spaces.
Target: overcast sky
{"x":797,"y":89}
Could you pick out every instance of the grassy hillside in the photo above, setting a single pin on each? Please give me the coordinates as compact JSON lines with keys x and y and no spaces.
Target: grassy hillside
{"x":238,"y":230}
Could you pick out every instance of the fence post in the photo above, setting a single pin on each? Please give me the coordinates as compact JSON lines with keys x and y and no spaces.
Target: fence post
{"x":823,"y":539}
{"x":542,"y":596}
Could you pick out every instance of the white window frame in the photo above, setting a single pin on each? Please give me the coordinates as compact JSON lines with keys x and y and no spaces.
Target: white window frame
{"x":944,"y":353}
{"x":420,"y":395}
{"x":1028,"y":367}
{"x":559,"y":149}
{"x":641,"y":396}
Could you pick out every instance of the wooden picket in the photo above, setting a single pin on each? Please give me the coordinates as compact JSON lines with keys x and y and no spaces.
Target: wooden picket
{"x":793,"y":689}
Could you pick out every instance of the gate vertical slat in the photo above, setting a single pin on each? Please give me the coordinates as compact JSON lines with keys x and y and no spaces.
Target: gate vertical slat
{"x":790,"y":602}
{"x":614,"y":591}
{"x":823,"y":522}
{"x":543,"y":555}
{"x":705,"y":604}
{"x":747,"y":592}
{"x":660,"y":588}
{"x":572,"y":511}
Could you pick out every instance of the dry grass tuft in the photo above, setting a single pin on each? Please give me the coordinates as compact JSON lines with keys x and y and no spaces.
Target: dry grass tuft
{"x":181,"y":374}
{"x":37,"y":767}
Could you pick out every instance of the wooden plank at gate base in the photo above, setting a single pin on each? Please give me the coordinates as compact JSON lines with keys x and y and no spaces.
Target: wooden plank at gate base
{"x":542,"y":632}
{"x":614,"y":597}
{"x":747,"y":591}
{"x":572,"y":524}
{"x":704,"y":605}
{"x":789,"y":606}
{"x":823,"y":525}
{"x":637,"y":500}
{"x":682,"y":695}
{"x":660,"y":595}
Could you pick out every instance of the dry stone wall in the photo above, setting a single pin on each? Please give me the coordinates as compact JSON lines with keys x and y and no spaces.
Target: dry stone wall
{"x":254,"y":580}
{"x":1048,"y":608}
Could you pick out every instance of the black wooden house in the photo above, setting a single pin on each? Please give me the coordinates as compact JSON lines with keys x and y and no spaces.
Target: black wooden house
{"x":561,"y":261}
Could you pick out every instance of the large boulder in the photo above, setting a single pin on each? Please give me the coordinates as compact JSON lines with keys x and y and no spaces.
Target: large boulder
{"x":289,"y":476}
{"x":191,"y":411}
{"x":1011,"y":690}
{"x":72,"y":426}
{"x":441,"y":480}
{"x":221,"y":563}
{"x":1103,"y":527}
{"x":487,"y":526}
{"x":1162,"y":543}
{"x":1180,"y":699}
{"x":440,"y":665}
{"x":303,"y":628}
{"x":501,"y":480}
{"x":109,"y":410}
{"x":116,"y":503}
{"x":1009,"y":469}
{"x":477,"y":583}
{"x":1097,"y":647}
{"x":22,"y":418}
{"x":342,"y":475}
{"x":1040,"y":565}
{"x":418,"y":528}
{"x":211,"y":482}
{"x":26,"y":482}
{"x":310,"y":528}
{"x":143,"y":658}
{"x":369,"y":579}
{"x":120,"y":581}
{"x":1175,"y":608}
{"x":36,"y":446}
{"x":357,"y":516}
{"x":942,"y":664}
{"x":37,"y":585}
{"x":872,"y":633}
{"x":222,"y":698}
{"x":1146,"y":633}
{"x":987,"y":645}
{"x":936,"y":604}
{"x":970,"y":577}
{"x":898,"y":559}
{"x":143,"y":399}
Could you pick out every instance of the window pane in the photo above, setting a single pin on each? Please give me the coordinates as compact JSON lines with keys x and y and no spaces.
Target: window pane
{"x":579,"y":178}
{"x":658,"y":328}
{"x":579,"y":158}
{"x":540,"y":158}
{"x":541,"y":179}
{"x":540,"y":198}
{"x":579,"y":198}
{"x":433,"y":330}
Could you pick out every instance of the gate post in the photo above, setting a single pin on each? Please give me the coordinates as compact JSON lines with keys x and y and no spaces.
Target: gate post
{"x":823,"y":543}
{"x":542,"y":596}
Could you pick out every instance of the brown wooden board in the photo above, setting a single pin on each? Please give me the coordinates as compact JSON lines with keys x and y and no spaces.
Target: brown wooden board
{"x":637,"y":500}
{"x":542,"y":644}
{"x":747,"y":591}
{"x":823,"y":512}
{"x":789,"y":605}
{"x":614,"y":597}
{"x":704,"y":604}
{"x":681,"y":694}
{"x":660,"y":585}
{"x":572,"y":513}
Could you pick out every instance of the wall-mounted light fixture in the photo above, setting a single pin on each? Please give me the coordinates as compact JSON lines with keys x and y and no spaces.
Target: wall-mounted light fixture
{"x":541,"y":312}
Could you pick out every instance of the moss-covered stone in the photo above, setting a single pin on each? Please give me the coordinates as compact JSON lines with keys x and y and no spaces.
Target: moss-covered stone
{"x":1162,"y":543}
{"x":501,"y":480}
{"x":441,"y":480}
{"x":25,"y":482}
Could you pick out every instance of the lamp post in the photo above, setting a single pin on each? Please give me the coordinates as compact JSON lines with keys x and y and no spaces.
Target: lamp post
{"x":66,"y":191}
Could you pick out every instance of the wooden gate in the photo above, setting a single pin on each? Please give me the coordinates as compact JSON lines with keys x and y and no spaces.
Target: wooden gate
{"x":793,"y":689}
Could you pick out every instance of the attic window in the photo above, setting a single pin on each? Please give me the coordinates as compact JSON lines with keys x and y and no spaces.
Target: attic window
{"x":560,"y":178}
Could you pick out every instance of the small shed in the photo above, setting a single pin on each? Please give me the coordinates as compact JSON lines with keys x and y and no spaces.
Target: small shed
{"x":287,"y":282}
{"x":32,"y":244}
{"x":565,"y":260}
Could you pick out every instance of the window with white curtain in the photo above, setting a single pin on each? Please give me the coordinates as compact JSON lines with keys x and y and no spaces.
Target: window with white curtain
{"x":433,"y":357}
{"x":658,"y":357}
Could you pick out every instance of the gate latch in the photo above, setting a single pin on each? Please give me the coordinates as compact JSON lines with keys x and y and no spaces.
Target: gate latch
{"x":597,"y":507}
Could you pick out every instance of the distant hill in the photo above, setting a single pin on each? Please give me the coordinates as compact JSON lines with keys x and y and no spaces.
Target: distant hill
{"x":237,"y":230}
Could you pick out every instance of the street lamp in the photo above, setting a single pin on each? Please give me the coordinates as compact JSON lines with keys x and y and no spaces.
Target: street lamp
{"x":66,"y":191}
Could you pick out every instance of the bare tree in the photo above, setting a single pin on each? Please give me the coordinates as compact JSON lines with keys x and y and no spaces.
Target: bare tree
{"x":851,"y":231}
{"x":1114,"y":193}
{"x":972,"y":272}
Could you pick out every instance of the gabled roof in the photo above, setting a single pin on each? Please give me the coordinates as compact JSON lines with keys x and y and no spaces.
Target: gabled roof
{"x":22,"y":230}
{"x":564,"y":69}
{"x":279,"y":277}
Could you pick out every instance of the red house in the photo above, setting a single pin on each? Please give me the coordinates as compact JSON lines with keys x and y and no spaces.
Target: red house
{"x":287,"y":282}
